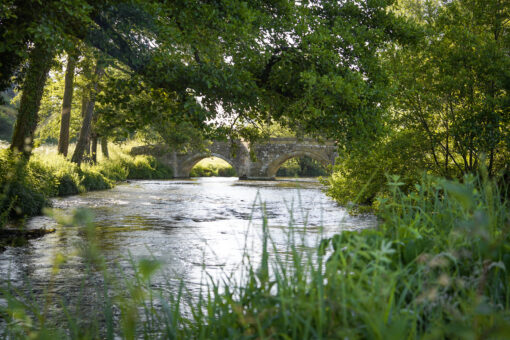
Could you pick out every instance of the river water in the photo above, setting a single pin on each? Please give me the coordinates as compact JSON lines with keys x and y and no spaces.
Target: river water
{"x":190,"y":226}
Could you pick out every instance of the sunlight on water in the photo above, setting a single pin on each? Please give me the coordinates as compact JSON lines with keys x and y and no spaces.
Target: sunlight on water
{"x":188,"y":225}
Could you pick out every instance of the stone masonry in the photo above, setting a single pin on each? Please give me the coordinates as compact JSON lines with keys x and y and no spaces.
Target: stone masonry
{"x":259,"y":161}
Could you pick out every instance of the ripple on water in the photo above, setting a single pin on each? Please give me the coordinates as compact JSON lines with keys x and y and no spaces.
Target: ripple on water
{"x":186,"y":224}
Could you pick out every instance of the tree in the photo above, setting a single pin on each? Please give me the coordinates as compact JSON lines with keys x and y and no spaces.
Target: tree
{"x":63,"y":141}
{"x":312,"y":65}
{"x":454,"y":85}
{"x":84,"y":136}
{"x":45,"y":28}
{"x":449,"y":111}
{"x":33,"y":86}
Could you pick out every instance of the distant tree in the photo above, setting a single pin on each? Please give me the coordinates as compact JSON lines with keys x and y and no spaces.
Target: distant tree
{"x":454,"y":84}
{"x":36,"y":30}
{"x":65,"y":121}
{"x":84,"y":136}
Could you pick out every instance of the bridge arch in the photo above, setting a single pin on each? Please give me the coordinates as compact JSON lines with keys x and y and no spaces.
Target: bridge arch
{"x":250,"y":161}
{"x":188,"y":163}
{"x":275,"y":164}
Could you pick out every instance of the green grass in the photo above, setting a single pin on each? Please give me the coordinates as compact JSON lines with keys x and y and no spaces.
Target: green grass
{"x":435,"y":268}
{"x":26,"y":187}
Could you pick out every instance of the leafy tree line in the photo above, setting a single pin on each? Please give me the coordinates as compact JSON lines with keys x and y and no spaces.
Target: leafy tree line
{"x":450,"y":110}
{"x":402,"y":86}
{"x":181,"y":64}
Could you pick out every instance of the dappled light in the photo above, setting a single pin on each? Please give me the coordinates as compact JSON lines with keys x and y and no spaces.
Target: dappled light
{"x":254,"y":169}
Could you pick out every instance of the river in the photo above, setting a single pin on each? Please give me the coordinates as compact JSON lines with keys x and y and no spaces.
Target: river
{"x":190,"y":226}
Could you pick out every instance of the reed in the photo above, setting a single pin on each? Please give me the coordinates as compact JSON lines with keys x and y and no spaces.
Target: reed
{"x":435,"y":267}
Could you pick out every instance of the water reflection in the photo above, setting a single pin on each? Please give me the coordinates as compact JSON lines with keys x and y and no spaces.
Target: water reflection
{"x":188,"y":225}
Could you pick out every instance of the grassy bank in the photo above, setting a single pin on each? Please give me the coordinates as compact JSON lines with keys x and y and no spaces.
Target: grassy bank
{"x":26,"y":187}
{"x":435,"y":268}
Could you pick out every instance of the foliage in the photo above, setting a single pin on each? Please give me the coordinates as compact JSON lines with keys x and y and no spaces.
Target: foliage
{"x":54,"y":23}
{"x":19,"y":191}
{"x":453,"y":84}
{"x":436,"y":267}
{"x":360,"y":177}
{"x":131,"y":106}
{"x":145,"y":167}
{"x":51,"y":103}
{"x":7,"y":119}
{"x":450,"y":110}
{"x":25,"y":188}
{"x":301,"y":167}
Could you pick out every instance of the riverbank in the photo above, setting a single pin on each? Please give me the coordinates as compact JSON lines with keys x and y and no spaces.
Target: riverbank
{"x":25,"y":188}
{"x":436,"y":267}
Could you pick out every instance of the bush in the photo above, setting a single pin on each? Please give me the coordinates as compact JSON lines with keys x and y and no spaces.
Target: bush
{"x":113,"y":169}
{"x":203,"y":171}
{"x":68,"y":185}
{"x":94,"y":180}
{"x":21,"y":200}
{"x":360,"y":177}
{"x":301,"y":167}
{"x":25,"y":187}
{"x":147,"y":167}
{"x":21,"y":192}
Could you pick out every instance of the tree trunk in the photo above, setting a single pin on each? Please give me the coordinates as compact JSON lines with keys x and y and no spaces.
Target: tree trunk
{"x":104,"y":147}
{"x":33,"y":85}
{"x":84,"y":104}
{"x":86,"y":151}
{"x":63,"y":140}
{"x":93,"y":150}
{"x":87,"y":119}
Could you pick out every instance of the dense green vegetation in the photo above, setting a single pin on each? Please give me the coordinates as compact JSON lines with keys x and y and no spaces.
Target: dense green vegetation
{"x":301,"y":167}
{"x":25,"y":187}
{"x":213,"y":167}
{"x":450,"y":112}
{"x":7,"y":117}
{"x":414,"y":93}
{"x":434,"y":268}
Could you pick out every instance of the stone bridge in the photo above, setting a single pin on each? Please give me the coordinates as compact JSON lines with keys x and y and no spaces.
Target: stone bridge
{"x":258,"y":161}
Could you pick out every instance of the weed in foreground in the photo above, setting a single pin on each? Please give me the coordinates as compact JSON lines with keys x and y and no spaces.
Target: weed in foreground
{"x":436,"y":267}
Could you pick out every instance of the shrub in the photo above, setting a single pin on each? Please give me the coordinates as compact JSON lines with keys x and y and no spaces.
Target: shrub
{"x":94,"y":180}
{"x":21,"y":192}
{"x":113,"y":169}
{"x":21,"y":200}
{"x":204,"y":171}
{"x":69,"y":185}
{"x":301,"y":167}
{"x":360,"y":177}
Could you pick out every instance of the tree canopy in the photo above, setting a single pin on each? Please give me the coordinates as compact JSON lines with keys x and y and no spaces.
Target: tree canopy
{"x":428,"y":80}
